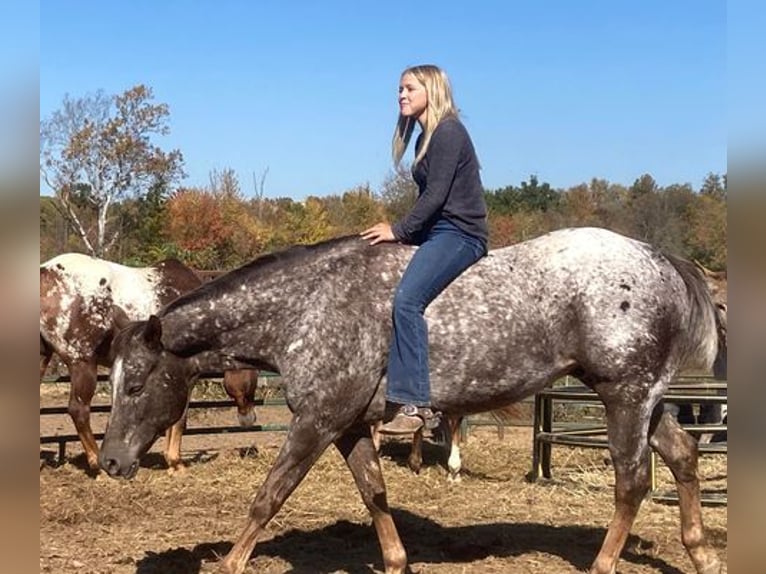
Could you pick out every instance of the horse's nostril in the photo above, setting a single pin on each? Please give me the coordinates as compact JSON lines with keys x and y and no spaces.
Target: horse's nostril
{"x":111,"y":466}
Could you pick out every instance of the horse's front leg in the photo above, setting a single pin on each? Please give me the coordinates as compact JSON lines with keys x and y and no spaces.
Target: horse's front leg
{"x":679,"y":451}
{"x":173,"y":445}
{"x":46,"y":354}
{"x":304,"y":444}
{"x":82,"y":387}
{"x":356,"y":446}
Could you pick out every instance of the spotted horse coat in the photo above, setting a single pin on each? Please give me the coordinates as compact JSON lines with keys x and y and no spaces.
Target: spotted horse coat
{"x":82,"y":299}
{"x":615,"y":312}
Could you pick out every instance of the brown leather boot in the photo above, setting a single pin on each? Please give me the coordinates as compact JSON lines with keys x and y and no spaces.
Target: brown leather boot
{"x":409,"y":419}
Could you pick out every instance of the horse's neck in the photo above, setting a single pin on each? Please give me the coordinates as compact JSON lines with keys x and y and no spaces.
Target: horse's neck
{"x":233,"y":326}
{"x":217,"y":361}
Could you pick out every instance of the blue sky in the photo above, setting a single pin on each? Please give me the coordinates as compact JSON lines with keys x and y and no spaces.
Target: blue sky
{"x":307,"y":89}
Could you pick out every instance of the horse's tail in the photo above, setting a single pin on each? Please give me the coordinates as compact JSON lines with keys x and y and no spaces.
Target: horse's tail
{"x":704,"y":341}
{"x":504,"y":415}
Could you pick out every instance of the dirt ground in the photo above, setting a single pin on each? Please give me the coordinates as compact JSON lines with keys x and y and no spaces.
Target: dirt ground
{"x":494,"y":521}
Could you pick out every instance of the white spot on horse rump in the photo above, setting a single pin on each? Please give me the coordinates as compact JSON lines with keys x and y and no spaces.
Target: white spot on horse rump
{"x":100,"y":282}
{"x":295,"y":345}
{"x":117,"y":377}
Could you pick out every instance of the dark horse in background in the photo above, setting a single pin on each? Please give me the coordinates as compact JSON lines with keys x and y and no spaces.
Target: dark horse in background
{"x":615,"y":312}
{"x":81,"y":298}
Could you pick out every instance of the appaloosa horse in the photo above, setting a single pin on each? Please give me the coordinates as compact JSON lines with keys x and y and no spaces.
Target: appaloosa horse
{"x":613,"y":311}
{"x":81,"y":298}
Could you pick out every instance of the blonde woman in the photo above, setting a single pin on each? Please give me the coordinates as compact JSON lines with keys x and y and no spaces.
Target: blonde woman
{"x":449,"y":224}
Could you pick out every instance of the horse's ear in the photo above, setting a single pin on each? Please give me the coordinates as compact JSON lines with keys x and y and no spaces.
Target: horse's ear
{"x":120,"y":317}
{"x":153,"y":333}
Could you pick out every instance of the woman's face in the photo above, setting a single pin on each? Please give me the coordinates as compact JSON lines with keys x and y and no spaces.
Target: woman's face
{"x":413,"y":99}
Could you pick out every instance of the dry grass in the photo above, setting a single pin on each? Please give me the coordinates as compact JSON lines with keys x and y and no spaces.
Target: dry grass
{"x":494,"y":521}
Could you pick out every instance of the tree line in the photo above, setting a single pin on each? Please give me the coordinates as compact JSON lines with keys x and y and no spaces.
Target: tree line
{"x":116,"y":195}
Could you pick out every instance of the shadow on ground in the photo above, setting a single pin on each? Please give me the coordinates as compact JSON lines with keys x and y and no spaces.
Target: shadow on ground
{"x":351,"y":547}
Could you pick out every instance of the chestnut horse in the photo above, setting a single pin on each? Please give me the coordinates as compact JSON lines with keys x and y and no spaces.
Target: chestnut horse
{"x":614,"y":312}
{"x":81,"y":298}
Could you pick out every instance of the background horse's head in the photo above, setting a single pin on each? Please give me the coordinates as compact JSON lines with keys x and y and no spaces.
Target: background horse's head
{"x":150,"y":389}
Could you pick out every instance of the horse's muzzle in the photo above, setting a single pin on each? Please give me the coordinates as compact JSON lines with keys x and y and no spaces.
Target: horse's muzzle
{"x":117,"y":468}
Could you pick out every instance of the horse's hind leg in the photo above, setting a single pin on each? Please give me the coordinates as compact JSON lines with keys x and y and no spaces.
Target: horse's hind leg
{"x":415,"y":458}
{"x":357,"y":448}
{"x":240,"y":385}
{"x":82,"y":387}
{"x":304,"y":444}
{"x":627,"y":429}
{"x":679,"y":451}
{"x":454,"y":462}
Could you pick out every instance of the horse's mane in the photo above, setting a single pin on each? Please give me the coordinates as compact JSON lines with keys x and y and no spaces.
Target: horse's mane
{"x":270,"y":263}
{"x":292,"y":255}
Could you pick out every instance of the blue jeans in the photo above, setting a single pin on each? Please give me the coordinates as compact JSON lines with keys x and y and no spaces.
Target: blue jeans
{"x":446,"y":252}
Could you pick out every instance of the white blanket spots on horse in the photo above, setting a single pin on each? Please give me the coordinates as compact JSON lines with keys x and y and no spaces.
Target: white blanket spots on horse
{"x":581,"y":300}
{"x":86,"y":288}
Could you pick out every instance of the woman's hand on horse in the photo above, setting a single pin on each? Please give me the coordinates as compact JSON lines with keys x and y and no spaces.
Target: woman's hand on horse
{"x":378,"y":233}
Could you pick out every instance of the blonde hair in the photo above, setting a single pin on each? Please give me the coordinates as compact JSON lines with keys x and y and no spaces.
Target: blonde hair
{"x":440,"y":105}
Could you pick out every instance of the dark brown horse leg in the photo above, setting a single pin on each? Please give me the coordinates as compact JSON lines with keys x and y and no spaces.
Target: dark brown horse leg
{"x":240,"y":386}
{"x":45,"y":359}
{"x":629,"y":448}
{"x":81,"y":389}
{"x":357,"y":448}
{"x":679,"y":451}
{"x":454,"y":464}
{"x":302,"y":447}
{"x":415,"y":459}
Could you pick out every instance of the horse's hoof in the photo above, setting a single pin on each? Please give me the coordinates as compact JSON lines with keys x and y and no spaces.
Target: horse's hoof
{"x":177,"y":468}
{"x":247,"y":420}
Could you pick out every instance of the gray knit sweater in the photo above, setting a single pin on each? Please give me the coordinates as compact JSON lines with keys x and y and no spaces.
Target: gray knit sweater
{"x":449,"y":186}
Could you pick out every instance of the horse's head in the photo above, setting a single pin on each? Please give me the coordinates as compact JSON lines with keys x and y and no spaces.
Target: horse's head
{"x":149,"y":393}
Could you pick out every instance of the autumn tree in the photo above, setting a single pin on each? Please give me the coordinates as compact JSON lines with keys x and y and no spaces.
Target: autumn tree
{"x":398,"y":193}
{"x":97,"y":150}
{"x":309,"y":222}
{"x":354,"y":211}
{"x":707,"y":230}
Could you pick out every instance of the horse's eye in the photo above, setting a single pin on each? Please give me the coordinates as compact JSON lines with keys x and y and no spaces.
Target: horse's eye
{"x":134,"y":388}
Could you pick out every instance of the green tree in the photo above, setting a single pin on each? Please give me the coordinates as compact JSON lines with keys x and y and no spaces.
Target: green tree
{"x":714,"y":186}
{"x":97,"y":150}
{"x":398,"y":193}
{"x":535,"y":196}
